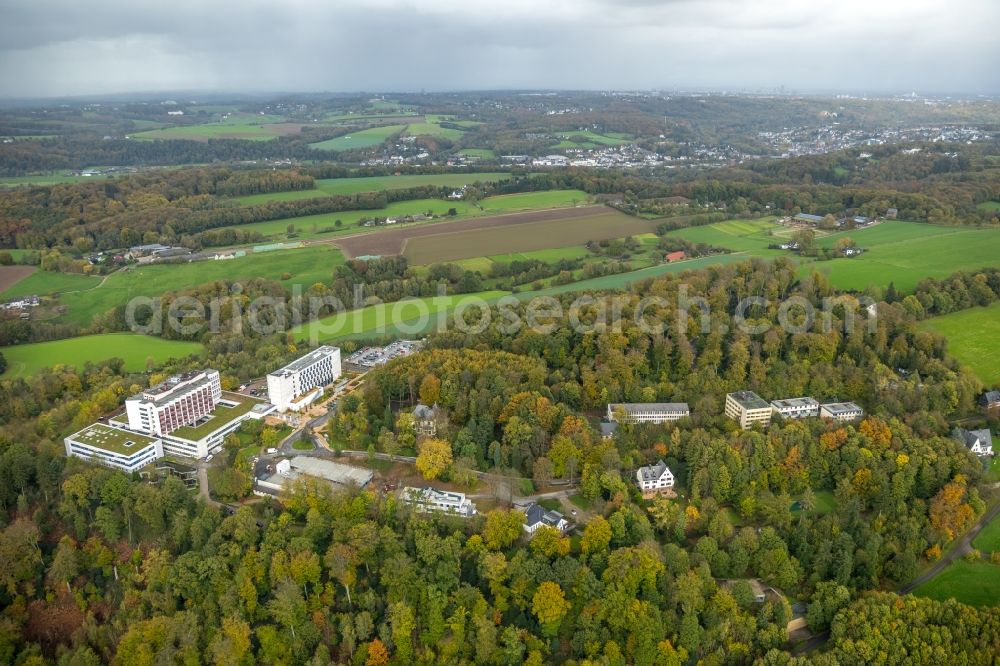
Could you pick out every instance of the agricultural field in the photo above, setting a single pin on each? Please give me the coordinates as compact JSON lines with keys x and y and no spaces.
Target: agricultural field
{"x":434,"y":130}
{"x":988,"y":540}
{"x":305,"y":266}
{"x":324,"y":224}
{"x":973,"y":583}
{"x":238,"y":126}
{"x":737,"y":235}
{"x":386,"y":316}
{"x":535,"y":231}
{"x":481,"y":153}
{"x":11,"y":275}
{"x":335,"y":186}
{"x":973,"y":338}
{"x":46,"y":179}
{"x":907,"y":252}
{"x":25,"y":360}
{"x":48,"y":282}
{"x":360,"y":139}
{"x":897,"y":251}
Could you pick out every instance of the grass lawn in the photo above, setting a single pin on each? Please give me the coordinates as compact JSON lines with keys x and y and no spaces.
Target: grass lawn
{"x":973,"y":338}
{"x":974,"y":583}
{"x":993,"y":473}
{"x":581,"y":501}
{"x":825,"y":503}
{"x":553,"y":255}
{"x":25,"y":360}
{"x":378,"y":319}
{"x":303,"y":445}
{"x":360,"y":139}
{"x":988,"y":540}
{"x":334,"y":186}
{"x":990,"y":206}
{"x":306,"y":266}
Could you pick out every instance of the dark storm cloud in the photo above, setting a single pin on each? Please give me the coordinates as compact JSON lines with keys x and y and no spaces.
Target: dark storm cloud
{"x":50,"y":47}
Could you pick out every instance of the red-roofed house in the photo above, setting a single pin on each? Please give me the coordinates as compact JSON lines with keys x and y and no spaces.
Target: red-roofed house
{"x":675,"y":256}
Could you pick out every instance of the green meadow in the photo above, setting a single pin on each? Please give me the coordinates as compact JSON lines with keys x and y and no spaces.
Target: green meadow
{"x":360,"y":139}
{"x":305,"y":266}
{"x":988,"y":540}
{"x":377,"y":319}
{"x":973,"y":583}
{"x":25,"y":360}
{"x":336,"y":186}
{"x":49,"y":282}
{"x":990,"y":206}
{"x":238,"y":126}
{"x":906,"y":252}
{"x":973,"y":338}
{"x":482,"y":153}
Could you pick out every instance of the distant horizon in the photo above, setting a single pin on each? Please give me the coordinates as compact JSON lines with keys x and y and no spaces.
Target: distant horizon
{"x":184,"y":95}
{"x":52,"y":49}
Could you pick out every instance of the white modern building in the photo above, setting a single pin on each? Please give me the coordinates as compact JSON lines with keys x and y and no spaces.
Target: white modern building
{"x":177,"y":402}
{"x":748,"y":408}
{"x":297,"y":385}
{"x":841,"y":411}
{"x":442,"y":501}
{"x":648,"y":412}
{"x":207,"y":433}
{"x":653,"y":478}
{"x":795,"y":408}
{"x":112,"y":447}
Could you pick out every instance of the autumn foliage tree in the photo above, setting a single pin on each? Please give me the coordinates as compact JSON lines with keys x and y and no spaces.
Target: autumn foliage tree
{"x":434,"y":458}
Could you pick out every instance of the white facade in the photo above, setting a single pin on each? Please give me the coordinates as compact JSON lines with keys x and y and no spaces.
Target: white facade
{"x":654,"y":477}
{"x":114,"y":448}
{"x":536,"y":516}
{"x":318,"y":368}
{"x":841,"y":411}
{"x":648,"y":412}
{"x":796,"y":408}
{"x":443,"y":501}
{"x":748,"y":408}
{"x":179,"y":401}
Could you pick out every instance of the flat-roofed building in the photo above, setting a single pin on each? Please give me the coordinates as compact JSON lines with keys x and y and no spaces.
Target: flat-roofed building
{"x":747,"y":408}
{"x":297,"y":385}
{"x":287,"y":471}
{"x":441,"y":501}
{"x":206,"y":434}
{"x":174,"y":403}
{"x":796,"y":408}
{"x":112,"y":447}
{"x":648,"y":412}
{"x":841,"y":411}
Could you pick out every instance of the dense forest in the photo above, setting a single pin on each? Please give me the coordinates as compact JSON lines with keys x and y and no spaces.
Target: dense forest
{"x":98,"y":567}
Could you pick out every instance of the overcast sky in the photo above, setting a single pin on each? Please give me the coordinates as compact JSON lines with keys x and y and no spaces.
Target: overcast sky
{"x":64,"y":47}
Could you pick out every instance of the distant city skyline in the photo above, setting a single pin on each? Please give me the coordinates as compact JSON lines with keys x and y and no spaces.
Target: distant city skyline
{"x":55,"y":49}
